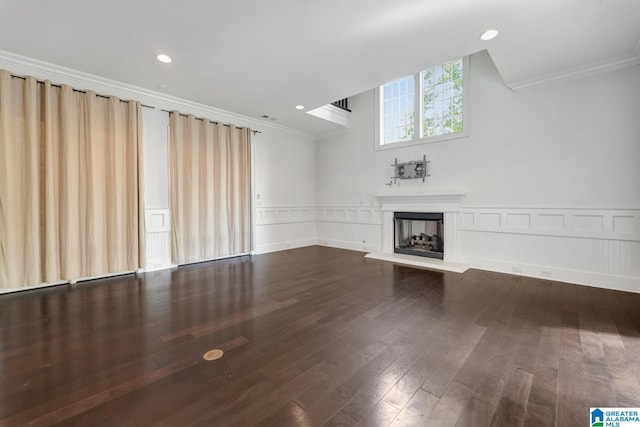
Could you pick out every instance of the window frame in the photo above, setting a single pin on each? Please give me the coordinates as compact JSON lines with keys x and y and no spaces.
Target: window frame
{"x":419,"y":107}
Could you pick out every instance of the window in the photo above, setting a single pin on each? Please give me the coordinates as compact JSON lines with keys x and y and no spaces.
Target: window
{"x":399,"y":100}
{"x":440,"y":102}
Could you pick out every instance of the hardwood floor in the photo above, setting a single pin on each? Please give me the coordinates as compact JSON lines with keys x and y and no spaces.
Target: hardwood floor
{"x":316,"y":336}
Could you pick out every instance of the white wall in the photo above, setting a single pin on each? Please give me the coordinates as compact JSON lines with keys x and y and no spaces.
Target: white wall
{"x":155,"y":125}
{"x":571,"y":147}
{"x":284,"y":186}
{"x":570,"y":144}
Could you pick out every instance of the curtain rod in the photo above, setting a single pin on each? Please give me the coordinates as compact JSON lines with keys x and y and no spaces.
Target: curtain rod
{"x":125,"y":101}
{"x":210,"y":121}
{"x":75,"y":90}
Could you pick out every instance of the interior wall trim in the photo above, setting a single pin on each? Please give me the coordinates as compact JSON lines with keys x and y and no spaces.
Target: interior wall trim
{"x":284,"y":214}
{"x":281,"y":246}
{"x":352,"y":246}
{"x":621,"y":62}
{"x":595,"y":247}
{"x":610,"y":224}
{"x":355,"y":214}
{"x":24,"y":65}
{"x":158,"y":225}
{"x":586,"y":278}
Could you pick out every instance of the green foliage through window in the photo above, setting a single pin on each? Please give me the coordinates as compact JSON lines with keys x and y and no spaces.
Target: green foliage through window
{"x":442,"y":90}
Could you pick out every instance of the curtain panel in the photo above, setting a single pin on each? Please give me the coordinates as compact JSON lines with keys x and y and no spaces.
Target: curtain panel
{"x":210,"y":189}
{"x":71,"y":184}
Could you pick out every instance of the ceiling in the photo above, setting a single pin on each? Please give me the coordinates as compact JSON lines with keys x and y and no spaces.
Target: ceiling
{"x":265,"y":57}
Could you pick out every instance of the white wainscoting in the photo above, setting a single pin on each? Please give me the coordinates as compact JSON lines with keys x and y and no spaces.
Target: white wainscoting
{"x":158,"y":225}
{"x":284,"y":214}
{"x":598,"y":247}
{"x":350,"y":214}
{"x":284,"y":227}
{"x":277,"y":228}
{"x":353,"y":227}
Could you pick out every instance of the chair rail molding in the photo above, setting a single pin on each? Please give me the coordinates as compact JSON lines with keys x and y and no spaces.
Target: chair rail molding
{"x":284,"y":214}
{"x":355,"y":214}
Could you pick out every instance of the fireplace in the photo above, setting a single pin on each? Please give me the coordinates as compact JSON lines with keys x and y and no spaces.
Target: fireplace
{"x":419,"y":233}
{"x":447,"y":203}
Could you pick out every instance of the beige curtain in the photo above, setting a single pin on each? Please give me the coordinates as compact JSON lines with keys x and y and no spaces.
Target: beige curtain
{"x":210,"y":196}
{"x":71,"y":190}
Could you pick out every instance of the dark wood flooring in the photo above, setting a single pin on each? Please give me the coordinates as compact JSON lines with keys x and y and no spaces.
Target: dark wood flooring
{"x":316,"y":336}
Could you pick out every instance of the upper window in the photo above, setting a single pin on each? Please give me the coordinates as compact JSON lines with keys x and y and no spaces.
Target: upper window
{"x":440,"y":103}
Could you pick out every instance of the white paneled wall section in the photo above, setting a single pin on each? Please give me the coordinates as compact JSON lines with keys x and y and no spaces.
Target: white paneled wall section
{"x":158,"y":224}
{"x":599,"y":247}
{"x":284,"y":227}
{"x":353,"y":227}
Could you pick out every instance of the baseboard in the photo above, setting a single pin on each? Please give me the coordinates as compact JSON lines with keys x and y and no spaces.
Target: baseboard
{"x":599,"y":280}
{"x":31,"y":288}
{"x":68,"y":282}
{"x":353,"y":246}
{"x":157,"y":266}
{"x":281,"y":246}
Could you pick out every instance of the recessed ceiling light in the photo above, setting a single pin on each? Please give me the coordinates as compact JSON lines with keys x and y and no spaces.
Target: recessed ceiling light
{"x":488,"y":35}
{"x":299,"y":107}
{"x":164,"y":58}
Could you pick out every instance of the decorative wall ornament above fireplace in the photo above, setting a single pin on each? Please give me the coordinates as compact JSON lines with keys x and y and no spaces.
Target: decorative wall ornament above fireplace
{"x":416,"y":169}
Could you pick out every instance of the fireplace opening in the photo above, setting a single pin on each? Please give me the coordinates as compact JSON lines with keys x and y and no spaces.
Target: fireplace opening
{"x":419,"y":233}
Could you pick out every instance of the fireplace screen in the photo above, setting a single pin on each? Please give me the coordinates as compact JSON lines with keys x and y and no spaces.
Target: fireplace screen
{"x":417,"y":233}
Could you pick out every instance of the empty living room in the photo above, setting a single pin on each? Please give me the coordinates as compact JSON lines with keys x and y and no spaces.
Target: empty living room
{"x":294,"y":213}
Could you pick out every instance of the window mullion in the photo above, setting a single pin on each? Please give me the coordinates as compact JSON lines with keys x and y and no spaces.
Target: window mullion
{"x":417,"y":107}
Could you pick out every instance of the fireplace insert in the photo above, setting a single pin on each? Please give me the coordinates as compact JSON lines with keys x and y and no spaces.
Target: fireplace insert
{"x":419,"y":233}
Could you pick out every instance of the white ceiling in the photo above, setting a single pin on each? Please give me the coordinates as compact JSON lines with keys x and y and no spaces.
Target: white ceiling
{"x":264,"y":57}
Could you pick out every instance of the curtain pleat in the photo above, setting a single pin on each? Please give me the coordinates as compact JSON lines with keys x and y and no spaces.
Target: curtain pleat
{"x":210,"y":189}
{"x":71,"y":189}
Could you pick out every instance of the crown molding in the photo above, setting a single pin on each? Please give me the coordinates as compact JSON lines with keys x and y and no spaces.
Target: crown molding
{"x":23,"y":65}
{"x":614,"y":64}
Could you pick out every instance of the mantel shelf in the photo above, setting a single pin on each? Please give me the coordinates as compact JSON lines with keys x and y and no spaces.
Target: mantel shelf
{"x":444,"y":196}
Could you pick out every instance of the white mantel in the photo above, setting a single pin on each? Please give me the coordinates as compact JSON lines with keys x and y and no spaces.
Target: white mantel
{"x":448,"y":197}
{"x":446,"y":202}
